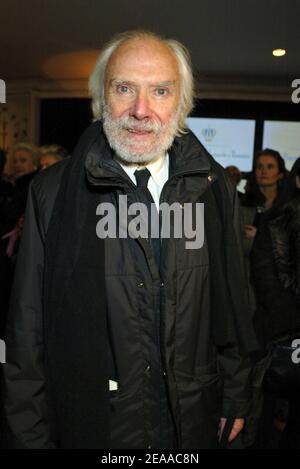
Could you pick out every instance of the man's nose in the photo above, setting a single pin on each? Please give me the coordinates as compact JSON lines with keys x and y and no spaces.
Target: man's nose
{"x":141,"y":106}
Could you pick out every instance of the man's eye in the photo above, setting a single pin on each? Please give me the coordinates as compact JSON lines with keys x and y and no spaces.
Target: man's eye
{"x":161,"y":91}
{"x":123,"y":89}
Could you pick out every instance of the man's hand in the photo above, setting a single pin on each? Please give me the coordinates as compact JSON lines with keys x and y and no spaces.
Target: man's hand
{"x":237,"y":426}
{"x":249,"y":231}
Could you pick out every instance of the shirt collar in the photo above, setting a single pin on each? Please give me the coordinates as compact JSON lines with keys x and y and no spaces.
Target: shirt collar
{"x":158,"y":169}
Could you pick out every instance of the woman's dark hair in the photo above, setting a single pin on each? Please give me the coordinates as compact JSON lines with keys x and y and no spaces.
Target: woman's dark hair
{"x":54,"y":150}
{"x":290,"y":189}
{"x":295,"y":171}
{"x":254,"y":197}
{"x":275,"y":154}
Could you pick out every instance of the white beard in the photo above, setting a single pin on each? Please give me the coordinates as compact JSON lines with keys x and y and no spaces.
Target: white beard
{"x":124,"y":147}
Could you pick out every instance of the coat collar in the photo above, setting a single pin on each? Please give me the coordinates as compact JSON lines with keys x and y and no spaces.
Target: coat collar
{"x":187,"y":155}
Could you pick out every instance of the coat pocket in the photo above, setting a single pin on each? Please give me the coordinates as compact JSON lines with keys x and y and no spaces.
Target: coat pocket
{"x":200,"y":400}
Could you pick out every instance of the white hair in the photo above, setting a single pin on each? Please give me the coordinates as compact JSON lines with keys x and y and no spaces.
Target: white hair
{"x":97,"y":78}
{"x":54,"y":150}
{"x":30,"y":148}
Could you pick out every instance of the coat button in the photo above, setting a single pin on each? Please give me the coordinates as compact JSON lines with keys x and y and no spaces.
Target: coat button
{"x":162,"y":284}
{"x":148,"y":367}
{"x":140,"y":285}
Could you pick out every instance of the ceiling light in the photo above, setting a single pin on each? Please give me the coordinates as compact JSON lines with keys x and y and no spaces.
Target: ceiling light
{"x":279,"y":52}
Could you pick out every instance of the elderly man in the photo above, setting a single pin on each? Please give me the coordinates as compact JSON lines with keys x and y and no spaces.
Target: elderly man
{"x":123,"y":341}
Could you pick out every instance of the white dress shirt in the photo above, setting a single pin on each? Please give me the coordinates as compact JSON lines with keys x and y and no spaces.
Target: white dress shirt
{"x":159,"y":171}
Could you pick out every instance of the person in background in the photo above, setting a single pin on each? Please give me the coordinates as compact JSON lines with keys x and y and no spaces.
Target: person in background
{"x":234,"y":173}
{"x":235,"y":176}
{"x":23,"y":167}
{"x":24,"y":160}
{"x":6,"y":191}
{"x":125,"y":341}
{"x":6,"y":188}
{"x":51,"y":154}
{"x":275,"y":262}
{"x":263,"y":187}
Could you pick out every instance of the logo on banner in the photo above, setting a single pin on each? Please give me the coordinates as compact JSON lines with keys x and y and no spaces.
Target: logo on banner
{"x":208,"y":134}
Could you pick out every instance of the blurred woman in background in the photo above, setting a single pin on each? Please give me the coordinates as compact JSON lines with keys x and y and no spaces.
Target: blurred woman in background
{"x":263,"y":188}
{"x":51,"y":154}
{"x":23,"y":160}
{"x":22,"y":167}
{"x":275,"y":262}
{"x":275,"y":273}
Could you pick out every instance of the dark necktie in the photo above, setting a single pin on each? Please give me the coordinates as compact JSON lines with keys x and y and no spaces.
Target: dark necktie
{"x":142,"y":178}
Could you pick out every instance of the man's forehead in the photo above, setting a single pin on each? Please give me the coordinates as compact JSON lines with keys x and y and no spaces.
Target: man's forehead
{"x":144,"y":52}
{"x":123,"y":80}
{"x":143,"y":44}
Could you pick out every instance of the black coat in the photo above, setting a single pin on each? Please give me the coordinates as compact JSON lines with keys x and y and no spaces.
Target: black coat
{"x":285,"y":236}
{"x":275,"y":263}
{"x":61,"y":342}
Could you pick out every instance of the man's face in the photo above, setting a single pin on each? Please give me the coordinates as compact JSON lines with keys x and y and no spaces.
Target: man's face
{"x":142,"y":95}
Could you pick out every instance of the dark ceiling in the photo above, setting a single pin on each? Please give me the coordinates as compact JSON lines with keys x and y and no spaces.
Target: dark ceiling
{"x":233,"y":38}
